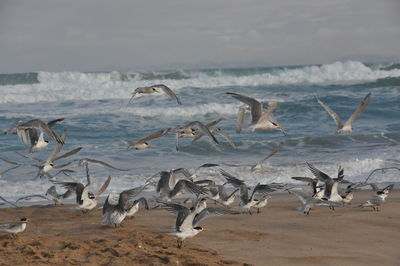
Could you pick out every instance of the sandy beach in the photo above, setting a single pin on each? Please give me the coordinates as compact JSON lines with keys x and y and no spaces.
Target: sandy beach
{"x":279,"y":235}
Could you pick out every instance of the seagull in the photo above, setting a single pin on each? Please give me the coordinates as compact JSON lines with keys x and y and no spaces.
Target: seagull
{"x":260,"y":119}
{"x":25,"y":128}
{"x":188,"y":218}
{"x":246,"y":202}
{"x":315,"y":183}
{"x":379,"y":197}
{"x":347,"y":126}
{"x":142,"y":144}
{"x":6,"y":201}
{"x":187,"y":131}
{"x":153,"y":89}
{"x":15,"y":227}
{"x":58,"y":198}
{"x":310,"y":202}
{"x":258,"y":165}
{"x":214,"y":131}
{"x":46,"y":166}
{"x":331,"y":184}
{"x":115,"y":214}
{"x":86,"y":200}
{"x":261,"y":202}
{"x":135,"y":207}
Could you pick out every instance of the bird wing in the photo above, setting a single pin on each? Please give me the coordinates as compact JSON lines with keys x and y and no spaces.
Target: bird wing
{"x":127,"y":141}
{"x":33,"y":136}
{"x":236,"y":182}
{"x":98,"y":162}
{"x":272,"y":153}
{"x":359,"y":110}
{"x":52,"y":191}
{"x":103,"y":187}
{"x":267,"y":114}
{"x":318,"y":174}
{"x":157,"y":134}
{"x":186,"y":185}
{"x":168,"y":91}
{"x":6,"y":201}
{"x":10,"y":162}
{"x":261,"y":190}
{"x":133,"y":95}
{"x":42,"y":126}
{"x":226,"y":136}
{"x":33,"y":196}
{"x":240,"y":118}
{"x":143,"y":201}
{"x":126,"y":197}
{"x":58,"y":147}
{"x":74,"y":186}
{"x":68,"y":154}
{"x":55,"y":121}
{"x":211,"y":211}
{"x":331,"y":113}
{"x":256,"y":106}
{"x":203,"y":129}
{"x":213,"y":123}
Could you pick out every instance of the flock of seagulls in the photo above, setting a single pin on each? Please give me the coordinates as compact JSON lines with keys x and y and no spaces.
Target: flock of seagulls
{"x":180,"y":191}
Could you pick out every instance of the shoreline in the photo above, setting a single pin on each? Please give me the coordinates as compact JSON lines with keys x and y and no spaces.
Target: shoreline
{"x":279,"y":235}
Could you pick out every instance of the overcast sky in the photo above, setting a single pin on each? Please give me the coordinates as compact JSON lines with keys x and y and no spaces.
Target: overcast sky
{"x":102,"y":35}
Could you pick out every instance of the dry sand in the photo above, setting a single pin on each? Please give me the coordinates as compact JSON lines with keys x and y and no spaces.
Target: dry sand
{"x":280,"y":235}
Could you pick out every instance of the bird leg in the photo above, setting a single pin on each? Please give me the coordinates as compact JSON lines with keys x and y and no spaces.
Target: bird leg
{"x":258,"y":210}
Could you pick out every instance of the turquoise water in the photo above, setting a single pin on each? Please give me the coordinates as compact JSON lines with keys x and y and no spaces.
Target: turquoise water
{"x":95,"y":109}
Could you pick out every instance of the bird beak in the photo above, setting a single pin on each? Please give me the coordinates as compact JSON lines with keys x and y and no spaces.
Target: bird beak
{"x":282,"y":129}
{"x":205,"y":229}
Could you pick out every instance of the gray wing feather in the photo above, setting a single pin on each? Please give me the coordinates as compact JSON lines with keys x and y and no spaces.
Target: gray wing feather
{"x":335,"y":117}
{"x":168,"y":91}
{"x":359,"y":110}
{"x":256,"y":106}
{"x":211,"y":211}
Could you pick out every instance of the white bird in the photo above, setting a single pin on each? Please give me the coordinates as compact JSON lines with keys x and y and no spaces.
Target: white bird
{"x":188,"y":131}
{"x":311,"y":202}
{"x":188,"y":218}
{"x":260,"y":119}
{"x":15,"y":227}
{"x":153,"y":89}
{"x":331,"y":192}
{"x":246,"y":201}
{"x":169,"y":188}
{"x":115,"y":214}
{"x":25,"y":128}
{"x":86,"y":200}
{"x":135,"y":207}
{"x":379,"y":197}
{"x":347,"y":126}
{"x":142,"y":143}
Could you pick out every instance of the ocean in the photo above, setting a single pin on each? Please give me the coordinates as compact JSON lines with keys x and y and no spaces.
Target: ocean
{"x":96,"y":113}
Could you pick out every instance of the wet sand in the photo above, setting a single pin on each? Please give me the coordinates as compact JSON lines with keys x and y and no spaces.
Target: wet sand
{"x":279,"y":235}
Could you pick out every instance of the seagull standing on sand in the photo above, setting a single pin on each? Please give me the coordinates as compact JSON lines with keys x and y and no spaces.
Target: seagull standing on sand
{"x":86,"y":200}
{"x":379,"y":197}
{"x":347,"y":126}
{"x":15,"y":227}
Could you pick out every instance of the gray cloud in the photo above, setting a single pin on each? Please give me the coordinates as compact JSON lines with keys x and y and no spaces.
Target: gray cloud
{"x":96,"y":35}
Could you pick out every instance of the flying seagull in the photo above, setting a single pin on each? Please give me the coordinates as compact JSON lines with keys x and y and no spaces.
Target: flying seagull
{"x":142,"y":143}
{"x":260,"y":119}
{"x":153,"y":89}
{"x":347,"y":126}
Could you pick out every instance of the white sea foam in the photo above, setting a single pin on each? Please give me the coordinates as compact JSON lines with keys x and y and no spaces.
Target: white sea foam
{"x":64,"y":86}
